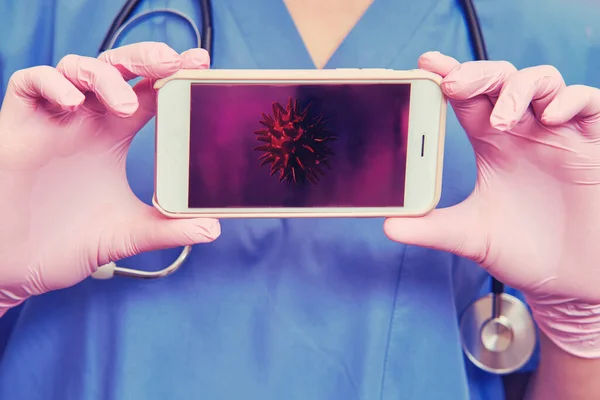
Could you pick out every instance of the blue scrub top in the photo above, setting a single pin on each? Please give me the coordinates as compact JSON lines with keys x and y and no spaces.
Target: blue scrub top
{"x":277,"y":309}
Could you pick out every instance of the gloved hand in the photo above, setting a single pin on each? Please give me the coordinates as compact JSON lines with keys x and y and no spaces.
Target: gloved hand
{"x":65,"y":204}
{"x":533,"y":219}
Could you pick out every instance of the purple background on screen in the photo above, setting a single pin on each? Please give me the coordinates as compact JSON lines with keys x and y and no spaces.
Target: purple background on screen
{"x":368,"y":168}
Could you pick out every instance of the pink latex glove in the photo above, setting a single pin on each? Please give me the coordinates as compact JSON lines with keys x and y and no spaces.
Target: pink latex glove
{"x":533,"y":220}
{"x":65,"y":203}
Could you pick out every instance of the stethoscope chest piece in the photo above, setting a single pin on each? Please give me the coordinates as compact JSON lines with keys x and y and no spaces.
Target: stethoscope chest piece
{"x":498,"y":333}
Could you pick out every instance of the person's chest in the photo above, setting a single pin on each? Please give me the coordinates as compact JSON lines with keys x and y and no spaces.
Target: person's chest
{"x":391,"y":34}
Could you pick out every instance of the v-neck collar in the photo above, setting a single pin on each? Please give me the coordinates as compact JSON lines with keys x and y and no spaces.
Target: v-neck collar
{"x":382,"y":33}
{"x":274,"y":42}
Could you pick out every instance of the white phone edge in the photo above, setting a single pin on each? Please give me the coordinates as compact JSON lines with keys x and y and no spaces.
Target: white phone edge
{"x":423,"y":189}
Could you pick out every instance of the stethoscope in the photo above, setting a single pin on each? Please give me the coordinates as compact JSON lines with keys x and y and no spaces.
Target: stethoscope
{"x":204,"y":39}
{"x":497,"y":331}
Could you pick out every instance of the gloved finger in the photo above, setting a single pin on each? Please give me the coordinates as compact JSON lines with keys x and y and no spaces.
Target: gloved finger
{"x":92,"y":75}
{"x":455,"y":230}
{"x":191,"y":59}
{"x":576,"y":101}
{"x":477,"y":78}
{"x":44,"y":82}
{"x":471,"y":88}
{"x":438,"y":63}
{"x":536,"y":86}
{"x":151,"y":60}
{"x":195,"y":59}
{"x":151,"y":231}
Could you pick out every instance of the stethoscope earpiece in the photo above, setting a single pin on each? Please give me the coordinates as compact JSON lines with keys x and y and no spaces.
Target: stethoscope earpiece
{"x":497,"y":333}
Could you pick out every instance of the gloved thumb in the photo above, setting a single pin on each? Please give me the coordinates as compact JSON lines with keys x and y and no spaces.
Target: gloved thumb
{"x":190,"y":59}
{"x":454,"y":229}
{"x":150,"y":230}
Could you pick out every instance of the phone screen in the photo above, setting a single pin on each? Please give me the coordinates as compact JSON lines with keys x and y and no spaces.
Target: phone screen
{"x":317,"y":145}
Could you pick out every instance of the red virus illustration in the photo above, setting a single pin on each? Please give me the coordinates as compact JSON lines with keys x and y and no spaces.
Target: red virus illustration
{"x":296,"y":145}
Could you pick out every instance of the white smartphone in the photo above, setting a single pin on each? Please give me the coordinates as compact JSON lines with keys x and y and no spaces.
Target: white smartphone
{"x":299,"y":143}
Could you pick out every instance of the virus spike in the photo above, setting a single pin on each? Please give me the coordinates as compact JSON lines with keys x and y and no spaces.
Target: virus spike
{"x":275,"y":168}
{"x":311,"y":179}
{"x":304,"y":112}
{"x":266,"y":160}
{"x":278,"y":111}
{"x":295,"y":143}
{"x":267,"y":119}
{"x":325,"y":139}
{"x":314,"y":175}
{"x":278,"y":163}
{"x":319,"y":170}
{"x":296,"y":107}
{"x":322,"y":123}
{"x":264,"y":147}
{"x":307,"y":147}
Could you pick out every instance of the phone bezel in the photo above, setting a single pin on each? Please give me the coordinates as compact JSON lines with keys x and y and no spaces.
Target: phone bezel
{"x":424,"y":151}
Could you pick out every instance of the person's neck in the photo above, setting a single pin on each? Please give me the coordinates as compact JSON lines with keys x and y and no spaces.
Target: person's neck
{"x":324,"y":24}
